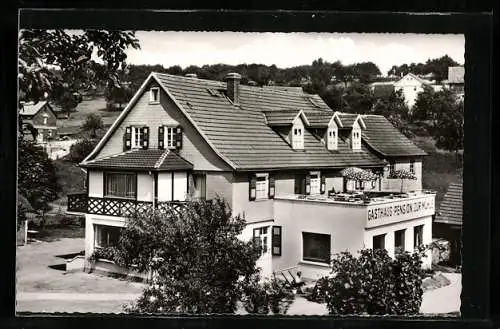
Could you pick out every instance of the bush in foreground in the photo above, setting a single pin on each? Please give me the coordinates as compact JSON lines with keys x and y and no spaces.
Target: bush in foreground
{"x":261,"y":296}
{"x":373,"y":283}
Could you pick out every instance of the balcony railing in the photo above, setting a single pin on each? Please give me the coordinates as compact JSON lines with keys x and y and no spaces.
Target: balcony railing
{"x":82,"y":203}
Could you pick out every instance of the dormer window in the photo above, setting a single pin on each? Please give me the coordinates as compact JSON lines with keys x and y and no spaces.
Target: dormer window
{"x":154,"y":95}
{"x":356,"y":139}
{"x":298,"y":138}
{"x":331,"y":139}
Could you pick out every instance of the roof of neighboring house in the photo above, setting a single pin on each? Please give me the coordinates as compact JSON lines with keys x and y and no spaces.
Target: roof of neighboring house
{"x":242,"y":138}
{"x":451,"y":208}
{"x":150,"y":159}
{"x":419,"y":79}
{"x":456,"y":74}
{"x":384,"y":138}
{"x":31,"y":108}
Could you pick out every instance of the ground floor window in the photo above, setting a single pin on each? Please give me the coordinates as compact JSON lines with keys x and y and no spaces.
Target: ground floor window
{"x":399,"y":240}
{"x":379,"y":241}
{"x":261,"y":238}
{"x":121,"y":185}
{"x":315,"y":183}
{"x":106,"y":236}
{"x":418,"y":235}
{"x":200,"y":185}
{"x":316,"y":247}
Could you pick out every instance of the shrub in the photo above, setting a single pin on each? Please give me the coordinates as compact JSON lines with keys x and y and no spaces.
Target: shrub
{"x":81,"y":149}
{"x":103,"y":253}
{"x":262,"y":296}
{"x":374,"y":283}
{"x":318,"y":293}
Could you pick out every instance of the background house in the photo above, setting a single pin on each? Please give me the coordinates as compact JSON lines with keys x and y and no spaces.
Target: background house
{"x":456,"y":80}
{"x":42,"y":117}
{"x":448,"y":221}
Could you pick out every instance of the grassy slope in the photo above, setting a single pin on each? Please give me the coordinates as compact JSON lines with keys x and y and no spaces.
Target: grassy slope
{"x":440,"y":168}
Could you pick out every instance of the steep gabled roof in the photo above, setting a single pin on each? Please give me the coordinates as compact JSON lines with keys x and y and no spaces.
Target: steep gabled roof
{"x":387,"y":140}
{"x":150,"y":159}
{"x":284,"y":117}
{"x":451,"y":208}
{"x":419,"y":79}
{"x":240,"y":136}
{"x":30,"y":109}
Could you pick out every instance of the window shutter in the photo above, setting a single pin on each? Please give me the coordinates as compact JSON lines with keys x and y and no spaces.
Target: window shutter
{"x":276,"y":241}
{"x":145,"y":137}
{"x":252,"y":188}
{"x":272,"y":187}
{"x":127,"y":139}
{"x":308,"y":184}
{"x":178,"y":137}
{"x":322,"y":187}
{"x":161,"y":137}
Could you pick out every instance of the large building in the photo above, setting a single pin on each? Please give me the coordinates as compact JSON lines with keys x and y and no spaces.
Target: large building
{"x":275,"y":156}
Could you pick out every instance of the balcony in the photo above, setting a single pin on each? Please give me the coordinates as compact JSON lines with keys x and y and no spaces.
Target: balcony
{"x":372,"y":208}
{"x":82,"y":203}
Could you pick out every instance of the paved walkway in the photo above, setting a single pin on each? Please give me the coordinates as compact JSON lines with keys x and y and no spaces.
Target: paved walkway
{"x":68,"y":296}
{"x":445,"y":299}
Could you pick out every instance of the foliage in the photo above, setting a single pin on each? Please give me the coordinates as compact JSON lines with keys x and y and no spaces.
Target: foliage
{"x":93,"y":122}
{"x":319,"y":290}
{"x":196,"y":254}
{"x":402,"y":174}
{"x":373,"y":283}
{"x":81,"y":149}
{"x":259,"y":296}
{"x":36,"y":175}
{"x":449,"y":129}
{"x":118,"y":95}
{"x":103,"y":253}
{"x":359,"y":98}
{"x":59,"y":64}
{"x":437,"y":66}
{"x":358,"y":175}
{"x":394,"y":109}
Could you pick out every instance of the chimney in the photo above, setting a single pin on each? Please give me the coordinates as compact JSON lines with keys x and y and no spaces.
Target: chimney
{"x":191,"y":75}
{"x":233,"y":87}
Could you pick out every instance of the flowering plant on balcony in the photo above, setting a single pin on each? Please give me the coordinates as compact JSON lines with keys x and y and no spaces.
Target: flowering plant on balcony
{"x":358,"y":175}
{"x":403,"y":174}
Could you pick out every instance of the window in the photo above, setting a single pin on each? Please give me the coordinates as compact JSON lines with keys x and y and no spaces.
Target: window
{"x":170,"y":137}
{"x":120,"y":185}
{"x":276,"y":241}
{"x":154,"y":95}
{"x":356,"y":139}
{"x":379,"y":241}
{"x":316,"y":247}
{"x":418,"y":235}
{"x":200,"y":186}
{"x":260,"y":238}
{"x":298,"y":138}
{"x":106,"y":236}
{"x":50,"y":132}
{"x":45,"y":118}
{"x":261,"y":187}
{"x":412,"y":166}
{"x":399,"y":240}
{"x":303,"y":184}
{"x":392,"y":167}
{"x":137,"y":136}
{"x":332,"y":139}
{"x":315,"y":183}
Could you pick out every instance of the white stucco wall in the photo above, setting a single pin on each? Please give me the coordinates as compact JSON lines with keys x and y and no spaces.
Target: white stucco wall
{"x":265,"y":261}
{"x":96,"y":183}
{"x":145,"y":188}
{"x":180,"y":186}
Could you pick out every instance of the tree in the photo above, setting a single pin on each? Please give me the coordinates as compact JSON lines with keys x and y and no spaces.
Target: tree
{"x":374,"y":283}
{"x":60,"y":64}
{"x":196,"y":254}
{"x":81,"y":149}
{"x":394,"y":109}
{"x":118,"y":95}
{"x":36,"y":176}
{"x":358,"y":98}
{"x":366,"y":71}
{"x":449,"y":129}
{"x":93,"y":122}
{"x":402,"y":174}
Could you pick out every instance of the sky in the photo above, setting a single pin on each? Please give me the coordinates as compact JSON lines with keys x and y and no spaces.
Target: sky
{"x":170,"y":48}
